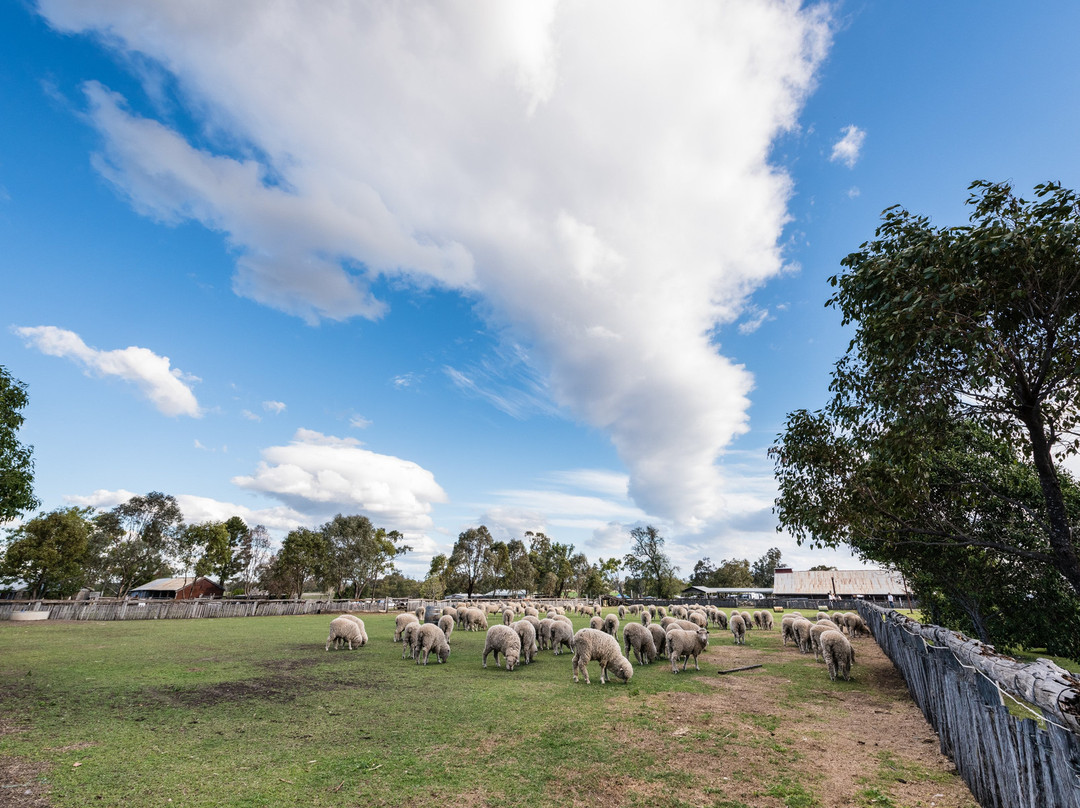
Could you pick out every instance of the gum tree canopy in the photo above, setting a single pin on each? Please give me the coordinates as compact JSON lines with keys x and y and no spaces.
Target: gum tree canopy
{"x":16,"y":462}
{"x":957,"y":399}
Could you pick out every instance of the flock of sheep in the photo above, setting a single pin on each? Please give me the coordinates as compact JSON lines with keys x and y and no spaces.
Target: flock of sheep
{"x":650,"y":633}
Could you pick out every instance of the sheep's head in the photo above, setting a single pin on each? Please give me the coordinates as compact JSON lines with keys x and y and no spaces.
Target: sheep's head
{"x":703,"y":637}
{"x":444,"y":652}
{"x":622,"y":668}
{"x":512,"y":658}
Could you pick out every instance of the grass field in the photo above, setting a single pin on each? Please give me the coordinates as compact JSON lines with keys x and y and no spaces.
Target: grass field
{"x":253,"y":712}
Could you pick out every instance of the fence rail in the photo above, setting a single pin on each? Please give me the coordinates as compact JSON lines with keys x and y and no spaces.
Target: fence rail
{"x":960,"y":685}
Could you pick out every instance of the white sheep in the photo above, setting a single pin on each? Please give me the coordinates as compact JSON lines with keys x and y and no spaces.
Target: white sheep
{"x":597,"y":623}
{"x":659,"y":637}
{"x":344,"y":630}
{"x":801,"y":628}
{"x":402,"y":621}
{"x":687,"y":644}
{"x":738,"y":629}
{"x":503,"y":640}
{"x":611,"y":625}
{"x":429,"y":637}
{"x":646,"y":618}
{"x":527,"y":634}
{"x":639,"y":638}
{"x":838,"y":654}
{"x":786,"y":628}
{"x":408,"y":637}
{"x":360,"y":623}
{"x":543,"y":633}
{"x":562,"y":633}
{"x":446,"y":623}
{"x":591,"y":644}
{"x":475,"y":619}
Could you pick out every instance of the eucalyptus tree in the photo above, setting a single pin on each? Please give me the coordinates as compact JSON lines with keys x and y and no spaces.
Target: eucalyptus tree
{"x":16,"y":459}
{"x":49,"y":552}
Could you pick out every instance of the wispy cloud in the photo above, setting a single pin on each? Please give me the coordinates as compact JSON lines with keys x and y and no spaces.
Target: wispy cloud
{"x":276,"y":407}
{"x":849,"y":147}
{"x":248,"y":415}
{"x":165,"y":386}
{"x":358,"y":421}
{"x":561,"y":183}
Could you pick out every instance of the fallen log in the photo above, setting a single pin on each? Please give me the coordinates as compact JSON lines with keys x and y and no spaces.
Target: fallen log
{"x":736,"y":670}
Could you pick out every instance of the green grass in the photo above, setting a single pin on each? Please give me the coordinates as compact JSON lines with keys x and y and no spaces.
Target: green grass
{"x":265,"y":717}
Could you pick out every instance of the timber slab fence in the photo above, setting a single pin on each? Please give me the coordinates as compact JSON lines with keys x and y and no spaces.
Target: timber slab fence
{"x":961,"y":684}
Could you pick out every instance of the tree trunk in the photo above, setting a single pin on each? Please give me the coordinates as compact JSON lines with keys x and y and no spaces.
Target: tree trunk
{"x":1060,"y":533}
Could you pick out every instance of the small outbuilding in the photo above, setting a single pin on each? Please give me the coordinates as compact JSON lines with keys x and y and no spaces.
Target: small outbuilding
{"x":178,"y":589}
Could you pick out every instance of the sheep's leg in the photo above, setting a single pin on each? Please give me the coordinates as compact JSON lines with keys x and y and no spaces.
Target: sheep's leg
{"x":695,"y":663}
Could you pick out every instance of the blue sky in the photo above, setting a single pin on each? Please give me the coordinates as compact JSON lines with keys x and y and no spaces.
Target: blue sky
{"x":538,"y":265}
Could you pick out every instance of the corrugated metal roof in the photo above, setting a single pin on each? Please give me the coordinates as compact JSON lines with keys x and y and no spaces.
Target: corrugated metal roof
{"x":843,"y":582}
{"x":169,"y":584}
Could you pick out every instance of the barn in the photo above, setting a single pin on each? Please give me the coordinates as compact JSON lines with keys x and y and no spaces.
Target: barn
{"x":873,"y":584}
{"x":178,"y":589}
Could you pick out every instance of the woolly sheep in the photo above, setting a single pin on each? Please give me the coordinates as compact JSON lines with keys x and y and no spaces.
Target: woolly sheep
{"x":659,"y":637}
{"x":591,"y":644}
{"x":821,"y":616}
{"x":816,"y":631}
{"x":360,"y":623}
{"x":685,"y":625}
{"x":687,"y":644}
{"x":766,"y":620}
{"x":748,"y":620}
{"x":758,"y":619}
{"x":543,"y":633}
{"x":446,"y":623}
{"x":652,"y":611}
{"x":622,"y":612}
{"x":527,"y":634}
{"x":449,"y":611}
{"x":531,"y":612}
{"x":402,"y":621}
{"x":596,"y":610}
{"x":508,"y":616}
{"x":720,"y":618}
{"x":639,"y":638}
{"x":698,"y":619}
{"x":419,"y":612}
{"x":562,"y":633}
{"x":786,"y":630}
{"x":345,"y":630}
{"x":838,"y":654}
{"x":534,"y":620}
{"x":503,"y":640}
{"x":429,"y":637}
{"x":597,"y":623}
{"x":840,"y":619}
{"x":408,"y":637}
{"x":738,"y":629}
{"x":564,"y":619}
{"x":857,"y":626}
{"x":801,"y":629}
{"x":678,"y":611}
{"x":646,"y":618}
{"x":661,"y":611}
{"x":828,"y":624}
{"x":475,"y":620}
{"x":611,"y":625}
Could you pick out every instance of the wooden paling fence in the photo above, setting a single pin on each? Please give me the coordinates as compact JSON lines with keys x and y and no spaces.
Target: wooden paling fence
{"x":179,"y":609}
{"x":961,"y":686}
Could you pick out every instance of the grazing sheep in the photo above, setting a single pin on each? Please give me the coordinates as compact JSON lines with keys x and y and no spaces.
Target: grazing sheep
{"x":840,"y":619}
{"x":419,"y":612}
{"x":699,"y":619}
{"x":639,"y":638}
{"x":543,"y":633}
{"x":661,"y":611}
{"x":449,"y":611}
{"x":527,"y":634}
{"x":758,"y":621}
{"x":446,"y":623}
{"x":564,"y":619}
{"x":838,"y":654}
{"x":828,"y":624}
{"x":342,"y":629}
{"x":503,"y":640}
{"x":786,"y":630}
{"x":596,"y":610}
{"x":531,"y":612}
{"x":685,"y":625}
{"x":597,"y":623}
{"x":766,"y":620}
{"x":720,"y":618}
{"x":402,"y":621}
{"x":678,"y":611}
{"x":686,"y":644}
{"x":475,"y":620}
{"x":562,"y":633}
{"x":801,"y":627}
{"x":535,"y":622}
{"x":659,"y":637}
{"x":408,"y":638}
{"x":652,"y":611}
{"x":816,"y":631}
{"x":857,"y":626}
{"x":622,"y":612}
{"x":646,"y":618}
{"x":748,"y":620}
{"x":508,"y":616}
{"x":738,"y":629}
{"x":611,"y":625}
{"x":591,"y":644}
{"x":429,"y":637}
{"x":821,"y":616}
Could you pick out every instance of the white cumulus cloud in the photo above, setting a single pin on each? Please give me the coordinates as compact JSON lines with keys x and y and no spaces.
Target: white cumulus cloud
{"x":595,"y":173}
{"x":164,"y":385}
{"x":849,"y":147}
{"x":317,"y":473}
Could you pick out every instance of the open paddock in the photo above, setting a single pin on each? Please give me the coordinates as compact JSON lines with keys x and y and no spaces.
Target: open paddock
{"x":253,"y":712}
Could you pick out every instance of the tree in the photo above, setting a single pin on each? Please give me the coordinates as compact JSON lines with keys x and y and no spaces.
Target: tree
{"x":521,"y":575}
{"x":223,"y":554}
{"x":703,"y":573}
{"x":16,"y":460}
{"x":49,"y":552}
{"x":253,"y":555}
{"x":142,"y":533}
{"x":977,"y":324}
{"x":648,"y":562}
{"x":196,"y":542}
{"x":360,"y":553}
{"x":821,"y":568}
{"x":764,"y":567}
{"x":468,"y":559}
{"x":304,"y":554}
{"x":733,"y":574}
{"x":434,"y":585}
